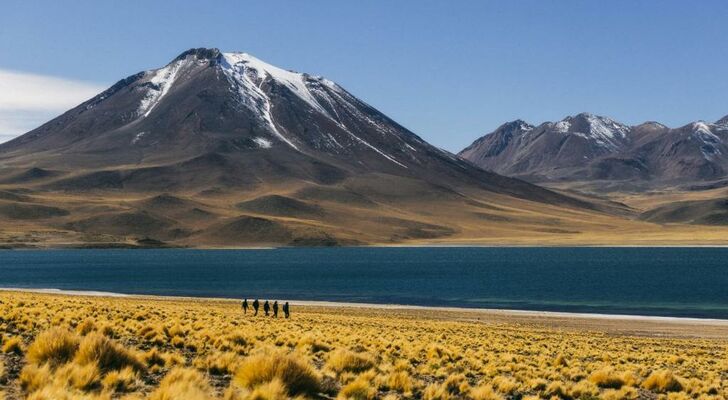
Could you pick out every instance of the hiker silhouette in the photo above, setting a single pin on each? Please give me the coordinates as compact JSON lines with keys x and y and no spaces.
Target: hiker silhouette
{"x":275,"y":309}
{"x":266,"y":308}
{"x":286,"y":310}
{"x":245,"y":306}
{"x":256,"y":304}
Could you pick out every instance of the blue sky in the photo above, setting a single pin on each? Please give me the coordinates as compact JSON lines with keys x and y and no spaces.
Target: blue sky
{"x":447,"y":70}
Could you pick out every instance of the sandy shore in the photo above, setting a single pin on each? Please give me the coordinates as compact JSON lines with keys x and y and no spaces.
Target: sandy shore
{"x":654,"y":326}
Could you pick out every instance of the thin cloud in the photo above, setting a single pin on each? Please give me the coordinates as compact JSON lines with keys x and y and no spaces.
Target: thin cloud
{"x":28,"y":100}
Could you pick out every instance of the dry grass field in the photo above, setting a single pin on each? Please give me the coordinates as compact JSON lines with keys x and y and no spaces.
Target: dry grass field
{"x":289,"y":218}
{"x":69,"y":347}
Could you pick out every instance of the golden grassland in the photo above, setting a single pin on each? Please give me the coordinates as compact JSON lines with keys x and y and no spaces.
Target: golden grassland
{"x":67,"y":347}
{"x":193,"y":220}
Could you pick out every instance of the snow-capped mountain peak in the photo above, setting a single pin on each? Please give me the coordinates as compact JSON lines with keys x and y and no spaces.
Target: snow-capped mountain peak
{"x":703,"y":131}
{"x":250,"y":104}
{"x":267,"y":92}
{"x":710,"y":142}
{"x":604,"y":131}
{"x":522,"y":125}
{"x":236,"y":64}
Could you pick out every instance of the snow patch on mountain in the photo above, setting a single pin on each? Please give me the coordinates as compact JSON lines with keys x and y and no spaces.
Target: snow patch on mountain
{"x":159,"y":85}
{"x":702,"y":131}
{"x":710,"y":140}
{"x":605,"y":127}
{"x":525,"y":127}
{"x":562,"y":126}
{"x":263,"y":143}
{"x":294,"y":81}
{"x":248,"y":74}
{"x":236,"y":69}
{"x":138,"y":137}
{"x":603,"y":131}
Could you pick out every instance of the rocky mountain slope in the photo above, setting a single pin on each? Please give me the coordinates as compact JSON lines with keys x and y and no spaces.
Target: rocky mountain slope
{"x":606,"y":154}
{"x":223,"y":149}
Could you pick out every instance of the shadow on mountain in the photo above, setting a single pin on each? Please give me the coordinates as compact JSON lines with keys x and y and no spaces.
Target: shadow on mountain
{"x":129,"y":224}
{"x":29,"y":176}
{"x":699,"y":212}
{"x":281,"y":206}
{"x":30,"y":211}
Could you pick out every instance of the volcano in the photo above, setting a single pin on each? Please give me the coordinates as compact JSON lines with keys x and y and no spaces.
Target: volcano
{"x":224,"y":149}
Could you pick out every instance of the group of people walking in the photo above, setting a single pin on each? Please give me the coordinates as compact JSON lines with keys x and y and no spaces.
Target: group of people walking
{"x":267,"y":308}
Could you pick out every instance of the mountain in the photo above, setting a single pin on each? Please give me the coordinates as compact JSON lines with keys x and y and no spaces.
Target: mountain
{"x":605,"y":154}
{"x":224,"y":149}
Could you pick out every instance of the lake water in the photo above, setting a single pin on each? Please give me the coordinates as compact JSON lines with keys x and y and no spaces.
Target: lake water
{"x":644,"y":281}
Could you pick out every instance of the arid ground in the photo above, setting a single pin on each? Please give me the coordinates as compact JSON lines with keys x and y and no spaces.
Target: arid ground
{"x":64,"y":347}
{"x":355,"y":214}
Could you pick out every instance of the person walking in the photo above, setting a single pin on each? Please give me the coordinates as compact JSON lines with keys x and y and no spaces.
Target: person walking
{"x":245,"y":306}
{"x":266,"y":308}
{"x":256,"y":304}
{"x":286,"y":310}
{"x":275,"y":309}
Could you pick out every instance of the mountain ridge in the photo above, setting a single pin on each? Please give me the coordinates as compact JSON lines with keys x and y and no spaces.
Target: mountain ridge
{"x":587,"y":147}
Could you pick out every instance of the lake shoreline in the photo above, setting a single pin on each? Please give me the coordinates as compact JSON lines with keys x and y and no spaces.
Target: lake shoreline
{"x":628,"y":284}
{"x":461,"y":312}
{"x":129,"y":246}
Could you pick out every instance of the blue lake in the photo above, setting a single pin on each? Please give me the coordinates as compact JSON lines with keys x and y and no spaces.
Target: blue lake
{"x":645,"y":281}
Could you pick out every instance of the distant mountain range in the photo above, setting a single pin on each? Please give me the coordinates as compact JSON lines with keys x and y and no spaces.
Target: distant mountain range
{"x":223,"y":149}
{"x":605,"y":155}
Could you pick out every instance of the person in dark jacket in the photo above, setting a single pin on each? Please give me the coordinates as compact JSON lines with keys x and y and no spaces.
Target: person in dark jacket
{"x":245,"y":306}
{"x":286,"y":310}
{"x":256,"y":304}
{"x":275,"y":309}
{"x":266,"y":308}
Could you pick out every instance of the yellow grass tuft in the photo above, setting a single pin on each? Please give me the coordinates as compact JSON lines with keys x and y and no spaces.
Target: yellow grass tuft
{"x":182,"y":384}
{"x":434,"y":391}
{"x":625,"y":393}
{"x":219,"y":363}
{"x":273,"y":390}
{"x":505,"y":385}
{"x":292,"y":371}
{"x":124,"y":380}
{"x":99,"y":350}
{"x":55,"y":392}
{"x":662,"y":381}
{"x":81,"y":377}
{"x":33,"y":377}
{"x":153,"y":358}
{"x":85,"y":327}
{"x":343,"y":360}
{"x":13,"y":345}
{"x":399,"y":381}
{"x":560,"y":361}
{"x":484,"y":392}
{"x":583,"y":389}
{"x":55,"y":346}
{"x":358,"y":389}
{"x":456,"y":384}
{"x":608,"y":378}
